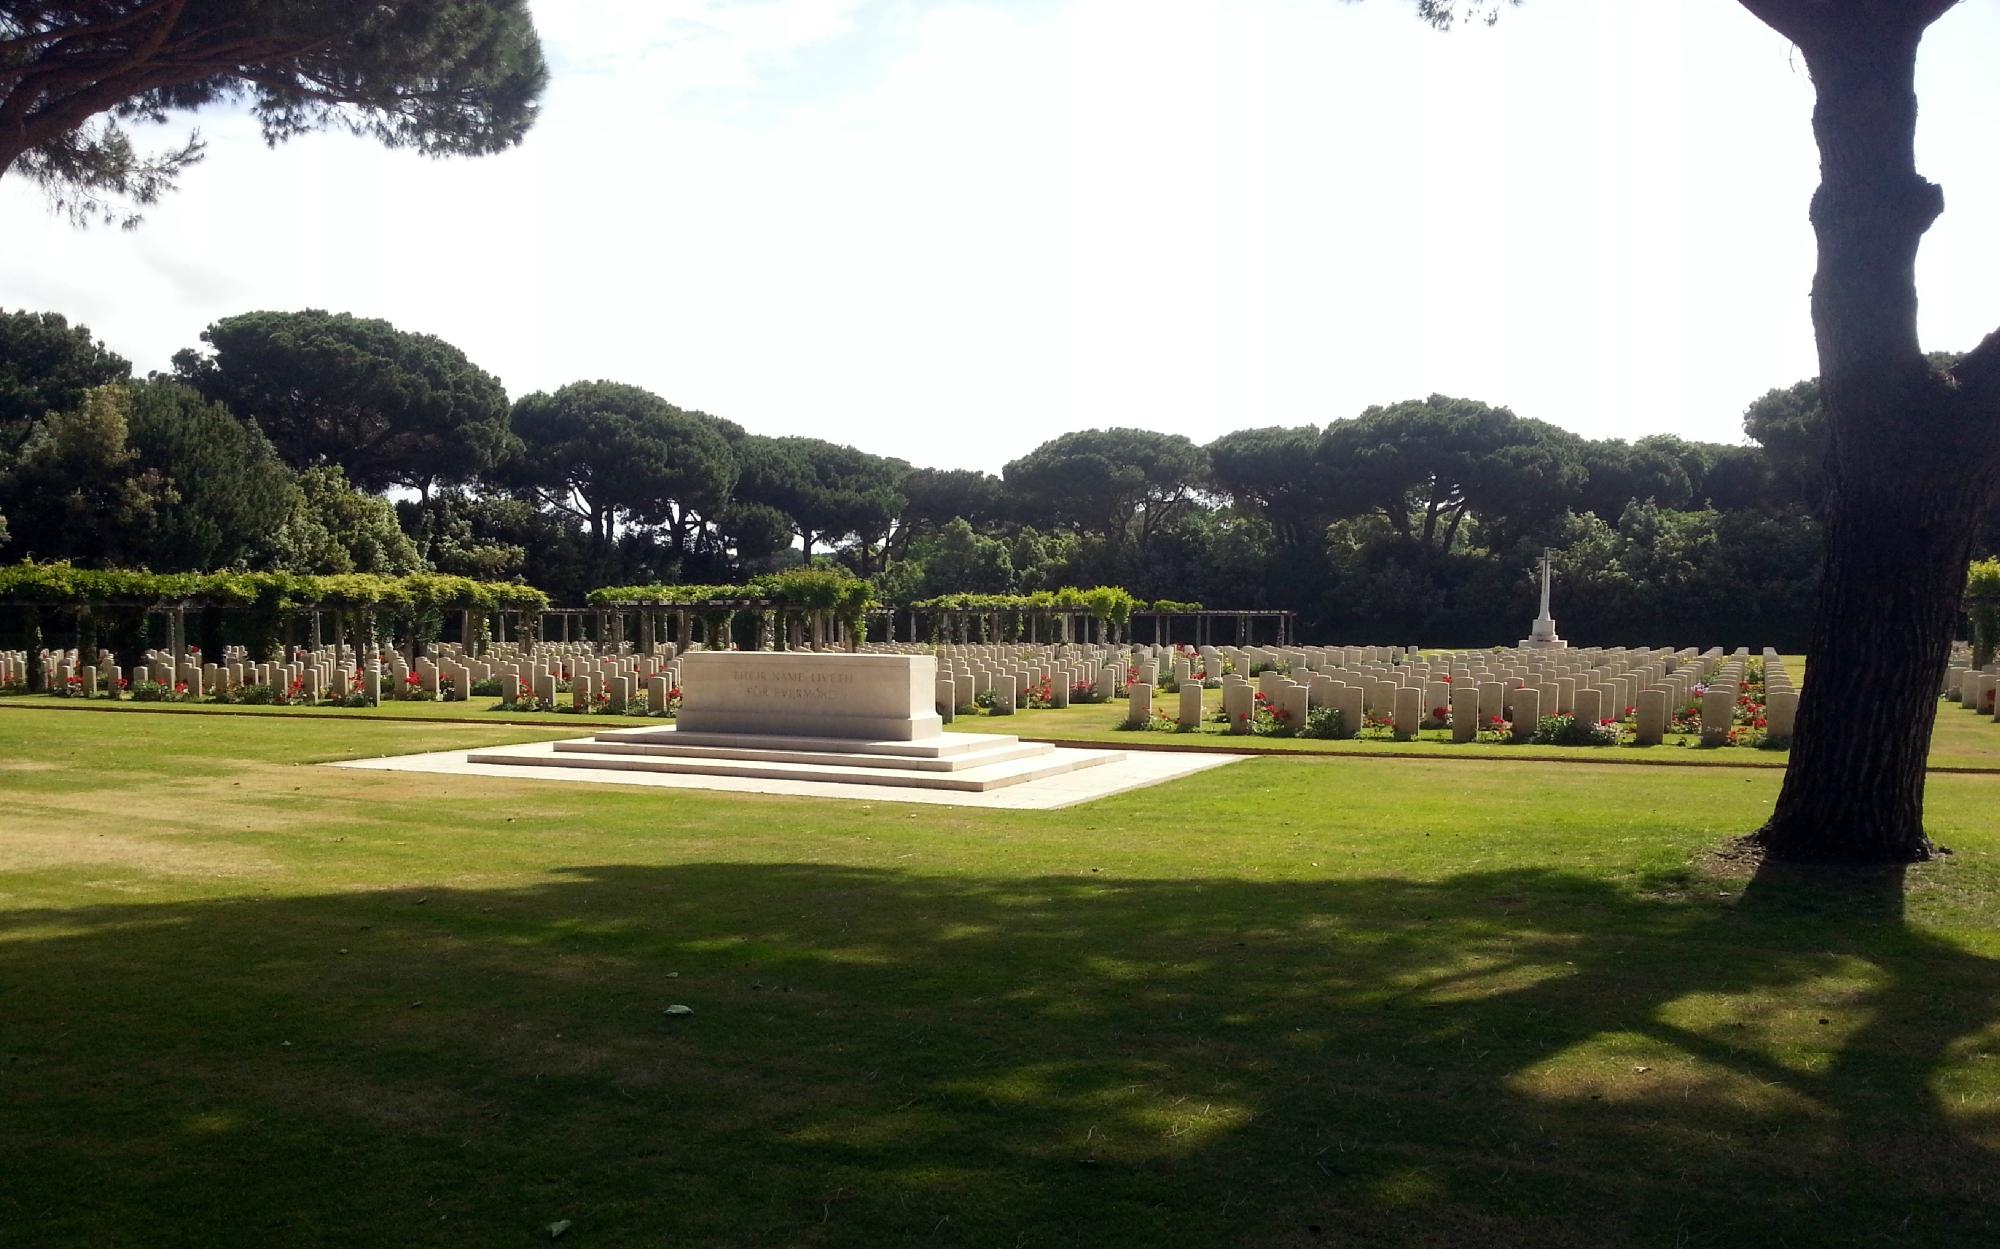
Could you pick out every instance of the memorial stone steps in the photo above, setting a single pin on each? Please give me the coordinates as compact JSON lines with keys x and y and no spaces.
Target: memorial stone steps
{"x":940,"y":746}
{"x":859,"y":769}
{"x":957,"y":761}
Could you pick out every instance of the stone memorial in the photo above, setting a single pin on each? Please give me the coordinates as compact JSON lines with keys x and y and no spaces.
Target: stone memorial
{"x":1408,"y":712}
{"x":1190,"y":714}
{"x":1542,"y":634}
{"x":806,"y":694}
{"x":1464,"y":713}
{"x":1139,"y":705}
{"x":854,"y":717}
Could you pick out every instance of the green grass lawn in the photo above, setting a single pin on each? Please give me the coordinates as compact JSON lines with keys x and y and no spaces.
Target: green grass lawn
{"x":1292,"y":1002}
{"x":478,"y":710}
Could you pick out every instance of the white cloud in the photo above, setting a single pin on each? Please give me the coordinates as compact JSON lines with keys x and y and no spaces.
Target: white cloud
{"x":950,"y":231}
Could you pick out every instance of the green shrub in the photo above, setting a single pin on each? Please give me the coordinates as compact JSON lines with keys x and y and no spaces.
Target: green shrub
{"x":1567,"y":730}
{"x":1326,"y":722}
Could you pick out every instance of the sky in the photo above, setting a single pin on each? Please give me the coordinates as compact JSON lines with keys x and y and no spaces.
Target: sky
{"x":951,"y":231}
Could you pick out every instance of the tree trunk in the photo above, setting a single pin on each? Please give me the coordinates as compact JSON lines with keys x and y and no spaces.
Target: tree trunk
{"x":1910,"y":454}
{"x":1984,"y":618}
{"x":1451,"y":532}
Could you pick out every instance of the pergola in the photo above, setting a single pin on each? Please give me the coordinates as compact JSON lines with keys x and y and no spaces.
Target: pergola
{"x":1286,"y":623}
{"x":173,"y":612}
{"x":269,"y":612}
{"x":1067,"y":624}
{"x":781,"y":624}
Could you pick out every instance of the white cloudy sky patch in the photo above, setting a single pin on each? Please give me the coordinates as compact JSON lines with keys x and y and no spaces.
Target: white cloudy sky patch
{"x":951,"y":231}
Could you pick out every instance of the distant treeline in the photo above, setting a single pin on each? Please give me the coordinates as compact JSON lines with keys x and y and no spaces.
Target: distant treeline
{"x":320,"y":443}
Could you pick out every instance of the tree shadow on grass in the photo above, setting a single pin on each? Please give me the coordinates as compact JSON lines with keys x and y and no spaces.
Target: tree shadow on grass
{"x":1500,"y":1058}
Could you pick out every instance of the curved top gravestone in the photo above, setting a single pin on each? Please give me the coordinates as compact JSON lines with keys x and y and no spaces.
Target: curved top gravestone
{"x":881,"y":698}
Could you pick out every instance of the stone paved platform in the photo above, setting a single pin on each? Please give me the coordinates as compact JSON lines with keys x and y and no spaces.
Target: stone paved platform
{"x":1083,"y":775}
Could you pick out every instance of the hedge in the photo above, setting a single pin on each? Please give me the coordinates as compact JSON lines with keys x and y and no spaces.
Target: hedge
{"x":65,"y":585}
{"x":801,"y":589}
{"x":1107,"y":603}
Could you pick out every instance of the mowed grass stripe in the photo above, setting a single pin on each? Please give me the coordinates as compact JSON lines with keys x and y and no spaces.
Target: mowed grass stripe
{"x":252,"y":1001}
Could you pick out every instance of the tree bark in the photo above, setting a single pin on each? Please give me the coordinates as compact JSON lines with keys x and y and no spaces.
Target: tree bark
{"x":1910,"y":455}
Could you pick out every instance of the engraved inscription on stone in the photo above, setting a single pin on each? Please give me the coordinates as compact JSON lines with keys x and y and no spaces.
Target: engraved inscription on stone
{"x":792,"y":686}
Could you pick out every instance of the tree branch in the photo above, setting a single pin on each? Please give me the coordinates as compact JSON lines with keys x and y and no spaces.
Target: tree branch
{"x":108,"y":58}
{"x":59,"y":34}
{"x":1790,"y":18}
{"x":57,"y":116}
{"x":1804,"y":22}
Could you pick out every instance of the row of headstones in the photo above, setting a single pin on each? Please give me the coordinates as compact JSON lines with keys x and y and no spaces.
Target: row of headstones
{"x":235,"y":667}
{"x":1781,"y":697}
{"x":314,"y":678}
{"x":961,"y":679}
{"x":1293,"y":699}
{"x":617,"y":678}
{"x":1410,"y":701}
{"x":1242,"y":657}
{"x":1408,"y":664}
{"x":1974,"y":689}
{"x":995,"y":652}
{"x":1595,"y":685}
{"x":324,"y":672}
{"x":1008,"y":671}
